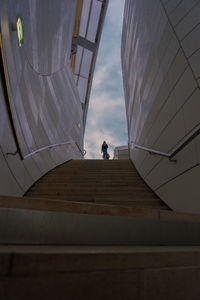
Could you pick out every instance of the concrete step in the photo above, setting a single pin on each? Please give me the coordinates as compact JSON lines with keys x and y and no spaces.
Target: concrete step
{"x":92,"y":179}
{"x":91,"y":196}
{"x":75,"y":206}
{"x":82,"y":181}
{"x":37,"y":260}
{"x":96,"y":170}
{"x":92,"y":188}
{"x":47,"y":222}
{"x":100,"y":191}
{"x":141,"y":203}
{"x":99,"y":177}
{"x":106,"y":200}
{"x":134,"y":204}
{"x":100,"y":166}
{"x":102,"y":272}
{"x":87,"y":184}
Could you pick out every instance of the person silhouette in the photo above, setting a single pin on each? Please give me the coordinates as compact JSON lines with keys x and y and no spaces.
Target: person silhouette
{"x":104,"y":148}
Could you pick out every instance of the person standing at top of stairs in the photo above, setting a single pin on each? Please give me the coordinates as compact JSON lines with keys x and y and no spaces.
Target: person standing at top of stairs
{"x":104,"y":148}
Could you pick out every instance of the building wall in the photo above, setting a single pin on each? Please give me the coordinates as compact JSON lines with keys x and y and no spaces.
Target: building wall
{"x":44,"y":99}
{"x":121,"y":152}
{"x":161,"y":73}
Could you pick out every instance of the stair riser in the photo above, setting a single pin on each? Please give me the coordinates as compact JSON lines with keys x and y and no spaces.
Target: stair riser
{"x":92,"y":198}
{"x":88,"y":185}
{"x":88,"y":193}
{"x":91,"y":180}
{"x":90,"y":189}
{"x":97,"y":178}
{"x":79,"y":229}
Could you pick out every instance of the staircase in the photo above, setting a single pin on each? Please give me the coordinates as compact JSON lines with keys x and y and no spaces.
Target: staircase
{"x":105,"y":182}
{"x":94,"y":202}
{"x":92,"y":229}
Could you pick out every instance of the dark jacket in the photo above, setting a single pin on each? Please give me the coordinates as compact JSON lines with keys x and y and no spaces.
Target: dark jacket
{"x":104,"y":148}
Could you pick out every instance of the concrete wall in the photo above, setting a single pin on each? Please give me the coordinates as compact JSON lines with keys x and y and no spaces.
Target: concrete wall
{"x":121,"y":152}
{"x":161,"y":72}
{"x":44,"y":99}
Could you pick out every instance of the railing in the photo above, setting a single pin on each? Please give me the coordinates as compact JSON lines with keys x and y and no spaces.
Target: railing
{"x":182,"y":144}
{"x":49,"y":147}
{"x":151,"y":151}
{"x":82,"y":152}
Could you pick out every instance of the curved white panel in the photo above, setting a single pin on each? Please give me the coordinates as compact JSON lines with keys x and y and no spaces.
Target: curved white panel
{"x":44,"y":99}
{"x":161,"y":63}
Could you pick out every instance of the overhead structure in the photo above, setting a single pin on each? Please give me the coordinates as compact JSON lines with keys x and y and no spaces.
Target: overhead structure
{"x":88,"y":25}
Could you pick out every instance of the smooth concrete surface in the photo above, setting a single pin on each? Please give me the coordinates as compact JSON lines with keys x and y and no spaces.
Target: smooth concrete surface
{"x":191,"y":181}
{"x":44,"y":98}
{"x":99,"y":272}
{"x":30,"y":258}
{"x":60,"y":228}
{"x":160,"y":65}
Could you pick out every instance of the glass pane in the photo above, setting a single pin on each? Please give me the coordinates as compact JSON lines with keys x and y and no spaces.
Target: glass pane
{"x":78,"y":59}
{"x":85,"y":67}
{"x":82,"y":87}
{"x":94,"y":20}
{"x":84,"y":17}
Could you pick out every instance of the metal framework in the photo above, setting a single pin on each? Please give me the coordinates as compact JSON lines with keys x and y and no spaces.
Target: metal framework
{"x":84,"y":43}
{"x":85,"y":46}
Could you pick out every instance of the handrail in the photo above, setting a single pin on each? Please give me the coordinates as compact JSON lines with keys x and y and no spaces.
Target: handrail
{"x":185,"y":141}
{"x":49,"y":147}
{"x":182,"y":144}
{"x":152,"y":151}
{"x":82,"y":152}
{"x":55,"y":145}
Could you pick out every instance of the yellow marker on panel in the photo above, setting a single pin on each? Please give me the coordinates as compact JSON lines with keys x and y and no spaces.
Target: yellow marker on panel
{"x":19,"y":31}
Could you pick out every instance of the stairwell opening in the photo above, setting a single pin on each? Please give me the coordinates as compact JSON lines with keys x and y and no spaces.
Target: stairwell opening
{"x":106,"y":119}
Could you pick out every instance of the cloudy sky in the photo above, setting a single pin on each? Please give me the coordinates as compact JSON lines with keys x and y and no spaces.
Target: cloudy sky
{"x":106,"y":118}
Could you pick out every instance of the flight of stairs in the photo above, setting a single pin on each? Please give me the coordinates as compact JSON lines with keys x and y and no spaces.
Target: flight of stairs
{"x":92,"y":229}
{"x":94,"y":202}
{"x":114,"y":182}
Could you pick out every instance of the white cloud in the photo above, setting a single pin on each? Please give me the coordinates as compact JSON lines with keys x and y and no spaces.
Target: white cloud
{"x":100,"y":75}
{"x":105,"y":121}
{"x":104,"y":103}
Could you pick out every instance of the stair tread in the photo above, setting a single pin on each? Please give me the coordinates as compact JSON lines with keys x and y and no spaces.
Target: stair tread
{"x":114,"y":182}
{"x":75,"y":206}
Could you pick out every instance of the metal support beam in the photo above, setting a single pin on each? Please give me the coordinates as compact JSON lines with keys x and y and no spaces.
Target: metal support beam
{"x":84,"y":43}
